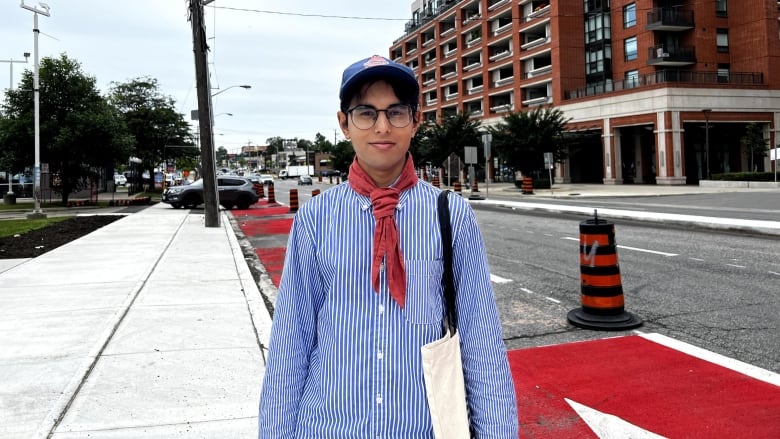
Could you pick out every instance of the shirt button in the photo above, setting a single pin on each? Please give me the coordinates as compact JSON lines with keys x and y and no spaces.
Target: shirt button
{"x":379,"y":399}
{"x":381,"y":309}
{"x":380,"y":355}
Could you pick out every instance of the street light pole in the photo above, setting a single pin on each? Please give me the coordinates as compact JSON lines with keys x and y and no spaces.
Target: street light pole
{"x":232,"y":86}
{"x":37,"y":212}
{"x":11,"y":65}
{"x":706,"y":112}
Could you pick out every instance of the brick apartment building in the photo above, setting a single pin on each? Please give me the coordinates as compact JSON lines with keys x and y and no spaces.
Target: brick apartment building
{"x":643,"y":81}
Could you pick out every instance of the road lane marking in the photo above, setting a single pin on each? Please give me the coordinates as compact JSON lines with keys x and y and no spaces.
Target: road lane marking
{"x":552,"y":300}
{"x":498,"y":279}
{"x":625,"y":247}
{"x":735,"y":265}
{"x":776,"y":274}
{"x":608,"y":426}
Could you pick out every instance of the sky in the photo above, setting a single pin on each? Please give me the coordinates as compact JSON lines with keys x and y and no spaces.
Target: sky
{"x":290,"y":52}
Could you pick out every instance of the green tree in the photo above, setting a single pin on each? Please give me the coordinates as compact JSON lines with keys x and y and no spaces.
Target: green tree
{"x":342,"y":156}
{"x":754,"y":145}
{"x":434,"y":143}
{"x":221,"y":155}
{"x":80,"y":133}
{"x":153,"y":121}
{"x":322,"y":144}
{"x":523,"y":137}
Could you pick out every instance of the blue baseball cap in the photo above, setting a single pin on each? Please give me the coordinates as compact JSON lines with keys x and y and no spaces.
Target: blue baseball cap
{"x":377,"y":67}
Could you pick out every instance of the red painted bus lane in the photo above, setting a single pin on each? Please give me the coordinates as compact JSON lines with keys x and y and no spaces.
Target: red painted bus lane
{"x":633,"y":384}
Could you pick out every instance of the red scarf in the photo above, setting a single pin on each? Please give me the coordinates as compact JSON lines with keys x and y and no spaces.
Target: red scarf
{"x":384,"y":201}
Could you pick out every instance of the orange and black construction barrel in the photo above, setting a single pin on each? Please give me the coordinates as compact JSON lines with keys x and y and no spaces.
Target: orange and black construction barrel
{"x":315,"y":192}
{"x":528,"y":186}
{"x":457,"y":188}
{"x":293,"y":200}
{"x":601,"y":286}
{"x":435,"y":182}
{"x":271,"y":194}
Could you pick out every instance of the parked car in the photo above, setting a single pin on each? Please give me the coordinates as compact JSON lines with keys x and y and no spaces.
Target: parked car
{"x":304,"y":179}
{"x":267,"y":178}
{"x":120,"y":180}
{"x":329,"y":172}
{"x":233,"y":192}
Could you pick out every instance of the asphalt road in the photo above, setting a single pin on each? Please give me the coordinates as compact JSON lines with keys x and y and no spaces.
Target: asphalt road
{"x":717,"y":291}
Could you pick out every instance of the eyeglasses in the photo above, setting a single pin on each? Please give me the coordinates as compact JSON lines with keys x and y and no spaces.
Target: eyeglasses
{"x":365,"y":116}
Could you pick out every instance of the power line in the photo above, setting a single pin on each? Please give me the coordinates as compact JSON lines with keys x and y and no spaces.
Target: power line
{"x":299,"y":14}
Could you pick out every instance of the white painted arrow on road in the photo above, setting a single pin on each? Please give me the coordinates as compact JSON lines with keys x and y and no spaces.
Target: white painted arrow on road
{"x":608,"y":426}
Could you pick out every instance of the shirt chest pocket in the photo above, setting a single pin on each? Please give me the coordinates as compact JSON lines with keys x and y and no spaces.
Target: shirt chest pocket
{"x":423,"y":303}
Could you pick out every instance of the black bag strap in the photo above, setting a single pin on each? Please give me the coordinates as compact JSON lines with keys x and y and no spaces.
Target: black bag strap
{"x":448,"y":277}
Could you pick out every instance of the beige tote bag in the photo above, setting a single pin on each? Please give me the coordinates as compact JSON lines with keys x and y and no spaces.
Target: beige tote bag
{"x":441,"y":360}
{"x":446,"y":392}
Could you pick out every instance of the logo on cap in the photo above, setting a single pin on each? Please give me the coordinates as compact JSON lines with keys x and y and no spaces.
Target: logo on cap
{"x":374,"y":61}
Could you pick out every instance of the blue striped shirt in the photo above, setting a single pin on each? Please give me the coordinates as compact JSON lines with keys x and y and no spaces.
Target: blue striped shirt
{"x":344,"y":361}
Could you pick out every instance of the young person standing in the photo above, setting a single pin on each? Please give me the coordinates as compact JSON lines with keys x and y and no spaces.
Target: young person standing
{"x":361,"y":289}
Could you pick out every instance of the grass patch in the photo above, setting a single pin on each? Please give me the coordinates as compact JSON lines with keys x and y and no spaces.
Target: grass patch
{"x":13,"y":227}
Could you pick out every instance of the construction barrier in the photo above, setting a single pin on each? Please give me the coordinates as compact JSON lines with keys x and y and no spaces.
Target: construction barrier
{"x":457,"y":188}
{"x":436,"y":182}
{"x":528,"y":185}
{"x":315,"y":192}
{"x":331,"y":179}
{"x":293,"y":200}
{"x":601,"y":286}
{"x":258,"y":187}
{"x":271,"y":195}
{"x":475,"y":195}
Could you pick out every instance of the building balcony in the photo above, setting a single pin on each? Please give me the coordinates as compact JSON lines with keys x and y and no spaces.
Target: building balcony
{"x":675,"y":56}
{"x":669,"y":20}
{"x":493,"y":5}
{"x":538,"y":12}
{"x":474,"y":90}
{"x":538,"y":72}
{"x":503,"y":81}
{"x":500,"y":55}
{"x":541,"y":100}
{"x":535,"y":43}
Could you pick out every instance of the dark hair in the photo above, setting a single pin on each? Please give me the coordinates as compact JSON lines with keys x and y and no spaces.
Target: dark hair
{"x":407,"y":95}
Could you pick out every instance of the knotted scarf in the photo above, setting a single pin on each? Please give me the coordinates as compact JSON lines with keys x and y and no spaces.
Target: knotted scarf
{"x":384,"y":201}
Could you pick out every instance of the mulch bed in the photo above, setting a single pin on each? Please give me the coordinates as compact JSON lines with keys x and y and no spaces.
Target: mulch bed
{"x":38,"y":242}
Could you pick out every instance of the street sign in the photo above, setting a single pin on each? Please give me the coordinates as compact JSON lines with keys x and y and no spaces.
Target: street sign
{"x":548,"y":160}
{"x":486,"y":139}
{"x":470,"y":153}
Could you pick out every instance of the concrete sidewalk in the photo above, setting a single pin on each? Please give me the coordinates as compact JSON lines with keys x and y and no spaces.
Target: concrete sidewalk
{"x":151,"y":326}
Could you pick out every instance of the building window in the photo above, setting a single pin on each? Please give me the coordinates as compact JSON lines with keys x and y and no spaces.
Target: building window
{"x":629,"y":15}
{"x":629,"y":46}
{"x":723,"y":72}
{"x":631,"y":79}
{"x":721,"y":8}
{"x":723,"y":40}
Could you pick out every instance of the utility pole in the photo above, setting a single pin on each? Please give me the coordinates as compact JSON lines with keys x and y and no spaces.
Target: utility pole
{"x":207,"y":153}
{"x":37,"y":212}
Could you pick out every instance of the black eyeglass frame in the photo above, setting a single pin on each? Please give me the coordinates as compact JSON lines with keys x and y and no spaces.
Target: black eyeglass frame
{"x":351,"y":113}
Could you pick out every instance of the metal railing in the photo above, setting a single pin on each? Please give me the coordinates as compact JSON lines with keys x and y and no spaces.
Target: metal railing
{"x":669,"y":76}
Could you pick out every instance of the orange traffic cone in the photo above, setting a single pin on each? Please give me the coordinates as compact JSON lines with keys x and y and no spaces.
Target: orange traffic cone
{"x":601,"y":286}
